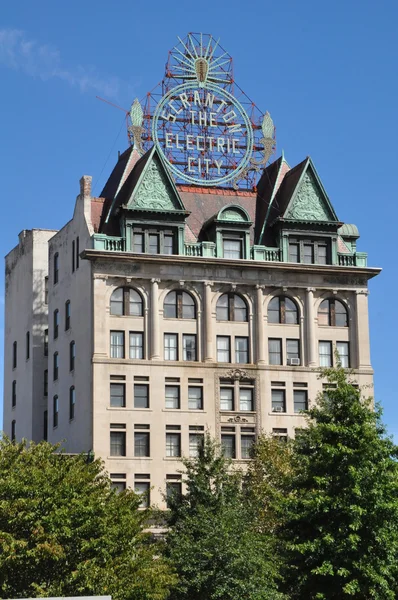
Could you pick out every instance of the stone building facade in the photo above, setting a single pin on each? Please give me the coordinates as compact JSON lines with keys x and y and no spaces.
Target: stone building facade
{"x":161,"y":311}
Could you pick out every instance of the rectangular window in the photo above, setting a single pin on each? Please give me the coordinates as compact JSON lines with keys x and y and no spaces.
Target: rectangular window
{"x":14,"y":355}
{"x":118,"y":440}
{"x":45,"y":383}
{"x":153,"y":243}
{"x":55,"y":411}
{"x":170,"y":346}
{"x":56,"y":267}
{"x":280,"y":433}
{"x":117,"y":344}
{"x":13,"y":432}
{"x":45,"y":425}
{"x":168,"y":243}
{"x":246,"y":399}
{"x":227,"y":398}
{"x":275,"y":351}
{"x":14,"y":394}
{"x":141,"y":395}
{"x":293,"y":252}
{"x":242,"y":350}
{"x":72,"y":402}
{"x":189,"y":347}
{"x":173,"y":444}
{"x":293,"y":352}
{"x":325,"y":354}
{"x":343,"y":350}
{"x":195,"y":442}
{"x":195,"y":398}
{"x":118,"y":482}
{"x":46,"y":342}
{"x":77,"y":252}
{"x":72,"y":356}
{"x":141,"y":443}
{"x":56,"y":323}
{"x":118,"y":395}
{"x":142,"y":489}
{"x":308,"y":253}
{"x":73,"y":255}
{"x":67,"y":315}
{"x":223,"y":349}
{"x":228,"y":445}
{"x":322,"y":252}
{"x":172,"y":396}
{"x":138,"y":242}
{"x":246,"y":444}
{"x":55,"y":366}
{"x":300,"y":400}
{"x":173,"y":490}
{"x":27,"y":345}
{"x":232,"y":248}
{"x":136,"y":345}
{"x":278,"y":398}
{"x":46,"y":290}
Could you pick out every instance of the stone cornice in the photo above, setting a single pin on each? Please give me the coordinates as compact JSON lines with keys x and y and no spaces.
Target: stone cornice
{"x":177,"y":259}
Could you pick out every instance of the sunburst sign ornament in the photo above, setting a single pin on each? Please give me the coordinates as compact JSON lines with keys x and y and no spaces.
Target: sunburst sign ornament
{"x":206,"y":128}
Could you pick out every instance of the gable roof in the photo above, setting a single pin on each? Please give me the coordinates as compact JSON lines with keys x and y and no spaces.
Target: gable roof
{"x":302,"y":196}
{"x":268,"y":187}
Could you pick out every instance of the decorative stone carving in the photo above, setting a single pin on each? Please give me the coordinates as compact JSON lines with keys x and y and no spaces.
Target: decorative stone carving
{"x":154,"y":192}
{"x":237,"y":374}
{"x":232,"y":214}
{"x":237,"y":419}
{"x":308,"y":205}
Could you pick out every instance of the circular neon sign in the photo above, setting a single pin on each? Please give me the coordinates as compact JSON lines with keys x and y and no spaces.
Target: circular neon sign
{"x":203,"y":133}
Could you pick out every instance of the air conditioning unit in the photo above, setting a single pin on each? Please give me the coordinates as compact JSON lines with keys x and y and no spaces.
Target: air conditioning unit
{"x":294,"y":362}
{"x":277,"y":409}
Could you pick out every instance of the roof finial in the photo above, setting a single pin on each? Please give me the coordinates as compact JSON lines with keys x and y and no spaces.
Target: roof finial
{"x":136,"y":128}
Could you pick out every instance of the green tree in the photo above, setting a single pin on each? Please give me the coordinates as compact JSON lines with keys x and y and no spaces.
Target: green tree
{"x":213,"y":542}
{"x":65,"y":532}
{"x":342,"y":512}
{"x":267,"y":480}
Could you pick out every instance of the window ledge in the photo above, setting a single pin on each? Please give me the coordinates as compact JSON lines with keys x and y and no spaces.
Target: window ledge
{"x":286,"y":414}
{"x":128,"y":458}
{"x":125,"y":409}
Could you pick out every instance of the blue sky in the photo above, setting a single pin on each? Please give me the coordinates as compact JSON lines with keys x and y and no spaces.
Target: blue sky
{"x":326,"y":71}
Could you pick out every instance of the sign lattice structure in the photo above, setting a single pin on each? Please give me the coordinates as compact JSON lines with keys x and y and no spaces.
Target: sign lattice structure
{"x":208,"y":131}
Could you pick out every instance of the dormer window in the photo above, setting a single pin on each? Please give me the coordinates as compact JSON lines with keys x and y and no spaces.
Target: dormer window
{"x":309,"y":251}
{"x":153,"y":241}
{"x":232,"y":246}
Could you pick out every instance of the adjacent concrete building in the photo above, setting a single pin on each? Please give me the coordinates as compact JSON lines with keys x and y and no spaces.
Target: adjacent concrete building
{"x":161,"y":311}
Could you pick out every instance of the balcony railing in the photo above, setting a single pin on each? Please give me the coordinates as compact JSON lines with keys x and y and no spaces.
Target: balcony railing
{"x":208,"y":250}
{"x":357,"y":259}
{"x":107,"y":242}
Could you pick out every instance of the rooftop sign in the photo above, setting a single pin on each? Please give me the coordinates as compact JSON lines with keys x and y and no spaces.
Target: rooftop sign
{"x":206,"y":129}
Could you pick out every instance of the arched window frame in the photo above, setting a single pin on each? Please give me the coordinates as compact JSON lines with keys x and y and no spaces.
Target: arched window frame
{"x":283,"y":311}
{"x":331,"y":312}
{"x":232,"y":310}
{"x":126,"y":303}
{"x":179,"y":308}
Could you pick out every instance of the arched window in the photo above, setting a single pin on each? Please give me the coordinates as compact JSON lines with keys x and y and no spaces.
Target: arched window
{"x":231,"y":307}
{"x":282,"y":310}
{"x":332,"y":312}
{"x":179,"y":305}
{"x":126,"y":301}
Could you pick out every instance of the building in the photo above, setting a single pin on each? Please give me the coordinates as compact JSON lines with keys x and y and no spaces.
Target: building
{"x":178,"y":302}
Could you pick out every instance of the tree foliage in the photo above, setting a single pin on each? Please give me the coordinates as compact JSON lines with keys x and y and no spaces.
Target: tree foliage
{"x":267,"y":480}
{"x":341,"y":526}
{"x":65,"y":532}
{"x":213,"y":542}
